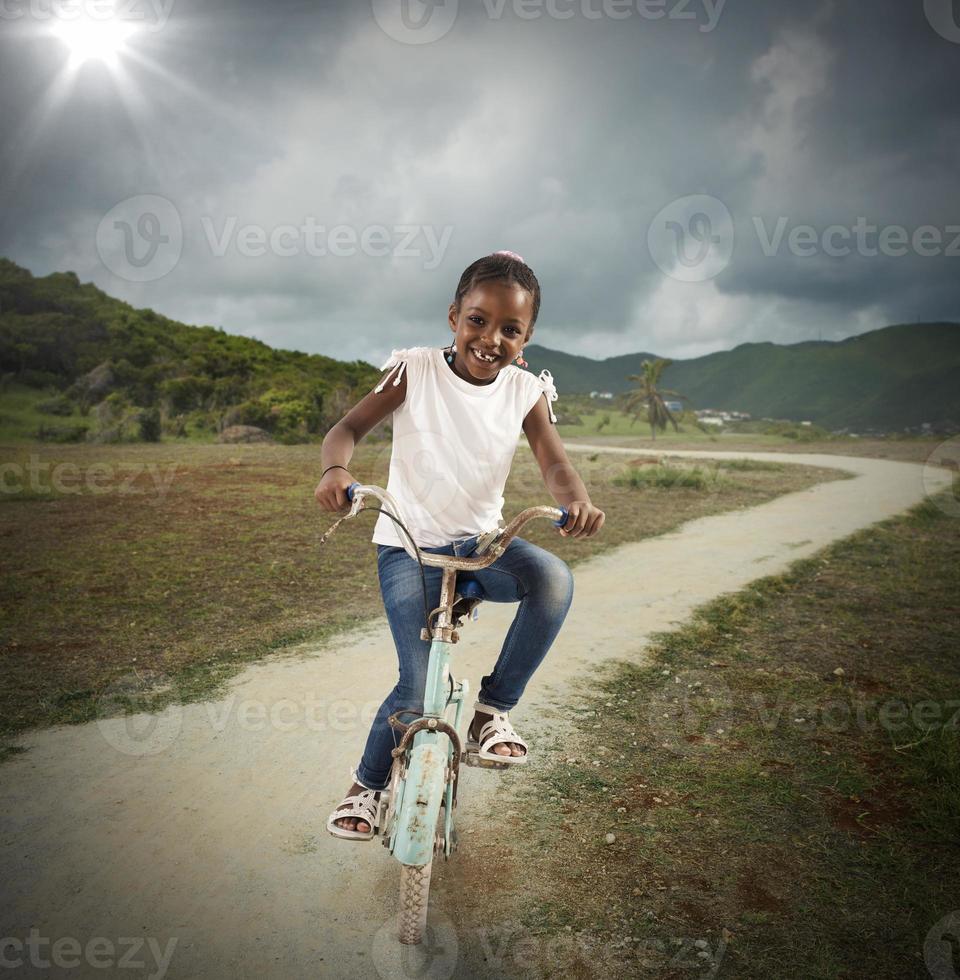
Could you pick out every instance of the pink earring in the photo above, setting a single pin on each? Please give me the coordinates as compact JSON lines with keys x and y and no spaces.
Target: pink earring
{"x":520,"y":361}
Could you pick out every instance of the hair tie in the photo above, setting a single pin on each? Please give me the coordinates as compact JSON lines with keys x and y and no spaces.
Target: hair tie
{"x":513,"y":255}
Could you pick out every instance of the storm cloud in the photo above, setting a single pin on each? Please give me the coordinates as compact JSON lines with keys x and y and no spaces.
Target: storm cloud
{"x":683,"y":176}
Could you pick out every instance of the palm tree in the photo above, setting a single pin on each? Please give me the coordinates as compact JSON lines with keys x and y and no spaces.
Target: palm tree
{"x":648,"y":395}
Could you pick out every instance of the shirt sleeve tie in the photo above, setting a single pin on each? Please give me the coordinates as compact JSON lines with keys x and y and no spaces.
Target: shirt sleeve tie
{"x":397,"y":357}
{"x":549,"y":389}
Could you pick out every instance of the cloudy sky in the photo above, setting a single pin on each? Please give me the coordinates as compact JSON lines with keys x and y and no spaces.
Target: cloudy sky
{"x":682,"y":175}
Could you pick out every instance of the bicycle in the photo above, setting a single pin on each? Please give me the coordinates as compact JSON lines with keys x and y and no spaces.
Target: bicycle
{"x":426,"y":762}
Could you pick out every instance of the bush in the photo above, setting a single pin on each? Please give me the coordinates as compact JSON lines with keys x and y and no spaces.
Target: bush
{"x":58,"y":405}
{"x":250,"y":413}
{"x":749,"y":464}
{"x":663,"y":476}
{"x":62,"y":433}
{"x":186,"y":393}
{"x":38,"y":379}
{"x":291,"y":438}
{"x":149,"y":422}
{"x":790,"y":430}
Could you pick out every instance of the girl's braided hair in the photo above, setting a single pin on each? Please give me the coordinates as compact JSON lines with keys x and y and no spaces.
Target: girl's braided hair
{"x":504,"y":267}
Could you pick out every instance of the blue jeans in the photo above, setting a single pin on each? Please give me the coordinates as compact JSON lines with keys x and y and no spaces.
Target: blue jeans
{"x":541,"y":582}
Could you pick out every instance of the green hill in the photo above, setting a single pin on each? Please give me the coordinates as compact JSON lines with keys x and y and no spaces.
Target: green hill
{"x":76,"y":363}
{"x":890,"y":378}
{"x":108,"y":370}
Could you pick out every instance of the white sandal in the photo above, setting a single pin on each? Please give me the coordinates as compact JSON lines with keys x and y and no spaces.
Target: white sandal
{"x":364,"y":805}
{"x":497,"y":729}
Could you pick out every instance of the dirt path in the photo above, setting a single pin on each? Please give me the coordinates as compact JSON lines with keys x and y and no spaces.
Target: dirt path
{"x":192,"y":843}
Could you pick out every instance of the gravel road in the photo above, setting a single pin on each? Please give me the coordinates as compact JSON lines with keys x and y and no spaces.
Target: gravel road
{"x":192,"y":843}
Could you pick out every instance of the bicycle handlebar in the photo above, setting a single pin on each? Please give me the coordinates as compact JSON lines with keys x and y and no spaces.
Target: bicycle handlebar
{"x":499,"y":538}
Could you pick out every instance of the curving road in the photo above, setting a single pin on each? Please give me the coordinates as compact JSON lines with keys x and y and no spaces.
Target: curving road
{"x":192,"y":843}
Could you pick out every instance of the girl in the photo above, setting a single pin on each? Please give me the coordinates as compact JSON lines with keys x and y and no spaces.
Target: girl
{"x":457,"y":413}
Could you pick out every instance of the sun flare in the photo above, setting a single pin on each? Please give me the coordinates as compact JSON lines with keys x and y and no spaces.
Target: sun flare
{"x":94,"y":40}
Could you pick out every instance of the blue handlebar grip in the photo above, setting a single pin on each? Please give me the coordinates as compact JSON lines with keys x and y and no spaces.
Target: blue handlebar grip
{"x":562,"y":520}
{"x":350,"y":489}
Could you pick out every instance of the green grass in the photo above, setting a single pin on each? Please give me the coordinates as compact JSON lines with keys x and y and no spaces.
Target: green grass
{"x":666,"y":476}
{"x":794,"y":799}
{"x":622,"y":424}
{"x":21,"y":417}
{"x":742,"y":465}
{"x":141,"y":574}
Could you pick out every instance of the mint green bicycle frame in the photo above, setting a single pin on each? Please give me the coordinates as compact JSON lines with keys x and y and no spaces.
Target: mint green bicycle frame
{"x":434,"y":750}
{"x":412,"y":838}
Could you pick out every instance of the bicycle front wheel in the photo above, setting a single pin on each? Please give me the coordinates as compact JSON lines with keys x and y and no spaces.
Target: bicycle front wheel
{"x":414,"y":897}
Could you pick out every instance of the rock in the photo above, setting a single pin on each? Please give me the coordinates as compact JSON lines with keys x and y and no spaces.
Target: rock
{"x":244,"y":433}
{"x":96,"y":383}
{"x":610,"y":838}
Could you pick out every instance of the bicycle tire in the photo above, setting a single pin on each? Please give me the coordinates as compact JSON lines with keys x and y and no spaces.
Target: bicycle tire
{"x":414,"y":898}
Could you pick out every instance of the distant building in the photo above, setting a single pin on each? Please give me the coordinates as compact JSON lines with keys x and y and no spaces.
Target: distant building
{"x":601,"y":394}
{"x":674,"y":406}
{"x":720,"y":414}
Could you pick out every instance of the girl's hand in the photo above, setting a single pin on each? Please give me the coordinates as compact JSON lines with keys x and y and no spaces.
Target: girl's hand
{"x":583,"y":521}
{"x":331,"y":492}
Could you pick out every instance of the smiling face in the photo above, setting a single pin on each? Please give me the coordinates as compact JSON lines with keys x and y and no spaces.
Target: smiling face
{"x":494,"y":319}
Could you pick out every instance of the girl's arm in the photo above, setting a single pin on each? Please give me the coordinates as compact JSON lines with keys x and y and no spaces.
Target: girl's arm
{"x":561,"y":479}
{"x":342,"y":438}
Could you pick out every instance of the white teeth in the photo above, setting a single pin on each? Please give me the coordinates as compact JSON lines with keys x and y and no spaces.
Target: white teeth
{"x":483,"y":357}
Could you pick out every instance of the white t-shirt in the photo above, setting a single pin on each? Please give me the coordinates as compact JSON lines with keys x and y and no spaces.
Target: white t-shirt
{"x":453,"y":444}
